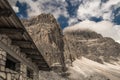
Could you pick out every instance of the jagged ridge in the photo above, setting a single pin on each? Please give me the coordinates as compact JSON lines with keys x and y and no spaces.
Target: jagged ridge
{"x":75,"y":44}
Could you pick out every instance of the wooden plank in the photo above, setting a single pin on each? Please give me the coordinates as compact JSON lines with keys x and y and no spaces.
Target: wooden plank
{"x":6,"y":30}
{"x":16,"y":56}
{"x":44,"y":69}
{"x":29,"y":50}
{"x":21,"y":42}
{"x":34,"y":57}
{"x":37,"y":58}
{"x":5,"y":12}
{"x":43,"y":66}
{"x":41,"y":63}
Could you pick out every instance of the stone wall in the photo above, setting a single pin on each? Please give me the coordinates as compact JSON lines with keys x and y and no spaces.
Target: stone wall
{"x":21,"y":72}
{"x":2,"y":63}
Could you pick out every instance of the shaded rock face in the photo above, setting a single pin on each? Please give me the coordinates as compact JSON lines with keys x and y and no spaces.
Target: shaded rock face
{"x":50,"y":40}
{"x":91,"y":45}
{"x":48,"y":37}
{"x":72,"y":45}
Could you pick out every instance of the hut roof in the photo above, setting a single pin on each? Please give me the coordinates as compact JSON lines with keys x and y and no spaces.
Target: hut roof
{"x":11,"y":25}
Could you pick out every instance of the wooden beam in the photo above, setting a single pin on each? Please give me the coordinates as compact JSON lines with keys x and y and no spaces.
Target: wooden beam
{"x":40,"y":63}
{"x":5,"y":12}
{"x":16,"y":56}
{"x":14,"y":31}
{"x":21,"y":42}
{"x":43,"y":63}
{"x":36,"y":57}
{"x":36,"y":60}
{"x":44,"y":68}
{"x":29,"y":50}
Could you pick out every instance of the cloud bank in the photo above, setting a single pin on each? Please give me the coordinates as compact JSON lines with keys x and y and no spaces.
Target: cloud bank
{"x":86,"y":10}
{"x":105,"y":28}
{"x":36,"y":7}
{"x":97,"y":15}
{"x":97,"y":8}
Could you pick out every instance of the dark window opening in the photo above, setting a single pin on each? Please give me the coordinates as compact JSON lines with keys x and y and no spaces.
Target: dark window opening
{"x":29,"y":73}
{"x":12,"y":63}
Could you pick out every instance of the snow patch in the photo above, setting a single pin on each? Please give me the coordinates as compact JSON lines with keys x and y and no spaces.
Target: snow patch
{"x":85,"y":67}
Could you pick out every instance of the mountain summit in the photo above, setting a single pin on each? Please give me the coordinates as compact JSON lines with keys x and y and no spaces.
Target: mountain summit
{"x":91,"y":45}
{"x":86,"y":54}
{"x":48,"y":37}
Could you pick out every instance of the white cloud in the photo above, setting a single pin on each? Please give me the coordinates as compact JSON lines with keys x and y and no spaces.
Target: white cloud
{"x":72,"y":21}
{"x":96,"y":8}
{"x":86,"y":10}
{"x":15,"y":9}
{"x":106,"y":28}
{"x":74,"y":2}
{"x":89,"y":8}
{"x":13,"y":2}
{"x":55,"y":7}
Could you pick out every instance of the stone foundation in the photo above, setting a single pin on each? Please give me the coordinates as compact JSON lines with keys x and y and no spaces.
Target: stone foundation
{"x":7,"y":74}
{"x":2,"y":63}
{"x":21,"y":69}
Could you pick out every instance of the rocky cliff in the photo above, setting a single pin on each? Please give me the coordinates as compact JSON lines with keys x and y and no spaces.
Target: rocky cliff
{"x":91,"y":56}
{"x":48,"y":37}
{"x":91,"y":45}
{"x":88,"y":55}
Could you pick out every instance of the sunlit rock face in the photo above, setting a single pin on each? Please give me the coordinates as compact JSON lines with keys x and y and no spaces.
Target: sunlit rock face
{"x":86,"y":54}
{"x":91,"y":45}
{"x":86,"y":69}
{"x":48,"y":37}
{"x":89,"y":56}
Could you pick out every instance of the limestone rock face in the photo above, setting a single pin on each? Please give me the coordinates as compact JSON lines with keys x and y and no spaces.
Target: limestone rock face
{"x":91,"y":45}
{"x":82,"y":50}
{"x":48,"y":37}
{"x":52,"y":43}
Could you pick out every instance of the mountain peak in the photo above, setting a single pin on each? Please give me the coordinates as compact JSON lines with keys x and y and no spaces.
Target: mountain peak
{"x":45,"y":18}
{"x":47,"y":35}
{"x":42,"y":18}
{"x":83,"y":34}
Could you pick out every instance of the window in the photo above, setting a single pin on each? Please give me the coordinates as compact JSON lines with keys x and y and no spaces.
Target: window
{"x":29,"y":73}
{"x":12,"y":63}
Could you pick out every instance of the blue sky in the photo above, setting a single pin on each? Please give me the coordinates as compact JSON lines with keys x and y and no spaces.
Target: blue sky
{"x":71,"y":9}
{"x":74,"y":12}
